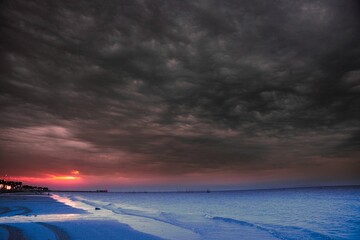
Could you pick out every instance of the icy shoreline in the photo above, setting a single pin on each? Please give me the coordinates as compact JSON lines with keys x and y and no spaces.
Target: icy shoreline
{"x":52,"y":217}
{"x":64,"y":216}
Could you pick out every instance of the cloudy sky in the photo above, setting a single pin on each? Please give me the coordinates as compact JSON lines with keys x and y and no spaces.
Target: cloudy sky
{"x":180,"y":94}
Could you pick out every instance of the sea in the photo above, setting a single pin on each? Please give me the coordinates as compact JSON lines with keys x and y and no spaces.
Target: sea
{"x":287,"y":214}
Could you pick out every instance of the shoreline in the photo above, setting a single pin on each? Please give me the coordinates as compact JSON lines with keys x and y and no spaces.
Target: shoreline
{"x":29,"y":216}
{"x":32,"y":216}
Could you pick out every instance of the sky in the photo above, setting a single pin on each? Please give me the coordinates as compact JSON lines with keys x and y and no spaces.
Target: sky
{"x":180,"y":95}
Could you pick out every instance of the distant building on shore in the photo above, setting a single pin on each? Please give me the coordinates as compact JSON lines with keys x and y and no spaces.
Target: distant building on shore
{"x":7,"y":186}
{"x":10,"y":185}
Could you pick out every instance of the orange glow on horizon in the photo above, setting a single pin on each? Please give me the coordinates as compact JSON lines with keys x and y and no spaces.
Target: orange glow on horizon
{"x":65,"y":178}
{"x":53,"y":181}
{"x":74,"y":176}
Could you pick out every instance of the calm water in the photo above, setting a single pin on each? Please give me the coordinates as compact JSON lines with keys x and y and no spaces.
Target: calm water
{"x":328,"y":213}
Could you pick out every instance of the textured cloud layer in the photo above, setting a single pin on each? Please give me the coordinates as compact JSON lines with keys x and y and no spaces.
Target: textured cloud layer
{"x":175,"y":88}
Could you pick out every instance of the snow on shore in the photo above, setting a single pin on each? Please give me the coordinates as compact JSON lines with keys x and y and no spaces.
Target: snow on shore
{"x":54,"y":217}
{"x":67,"y":217}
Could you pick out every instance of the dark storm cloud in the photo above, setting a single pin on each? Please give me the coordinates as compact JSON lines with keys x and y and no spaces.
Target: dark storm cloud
{"x":180,"y":86}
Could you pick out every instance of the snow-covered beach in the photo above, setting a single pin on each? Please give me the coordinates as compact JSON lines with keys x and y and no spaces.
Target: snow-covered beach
{"x":35,"y":217}
{"x":65,"y":216}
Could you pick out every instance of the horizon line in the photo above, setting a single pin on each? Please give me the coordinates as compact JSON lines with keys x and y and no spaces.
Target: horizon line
{"x":209,"y":190}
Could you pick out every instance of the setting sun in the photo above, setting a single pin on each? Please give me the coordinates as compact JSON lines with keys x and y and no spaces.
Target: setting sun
{"x":64,"y":178}
{"x":67,"y":177}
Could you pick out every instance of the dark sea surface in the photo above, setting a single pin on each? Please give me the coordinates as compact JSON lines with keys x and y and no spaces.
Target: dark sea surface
{"x":308,"y":213}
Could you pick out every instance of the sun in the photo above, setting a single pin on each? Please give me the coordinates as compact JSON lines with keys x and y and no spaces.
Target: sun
{"x":64,"y":178}
{"x":74,"y":176}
